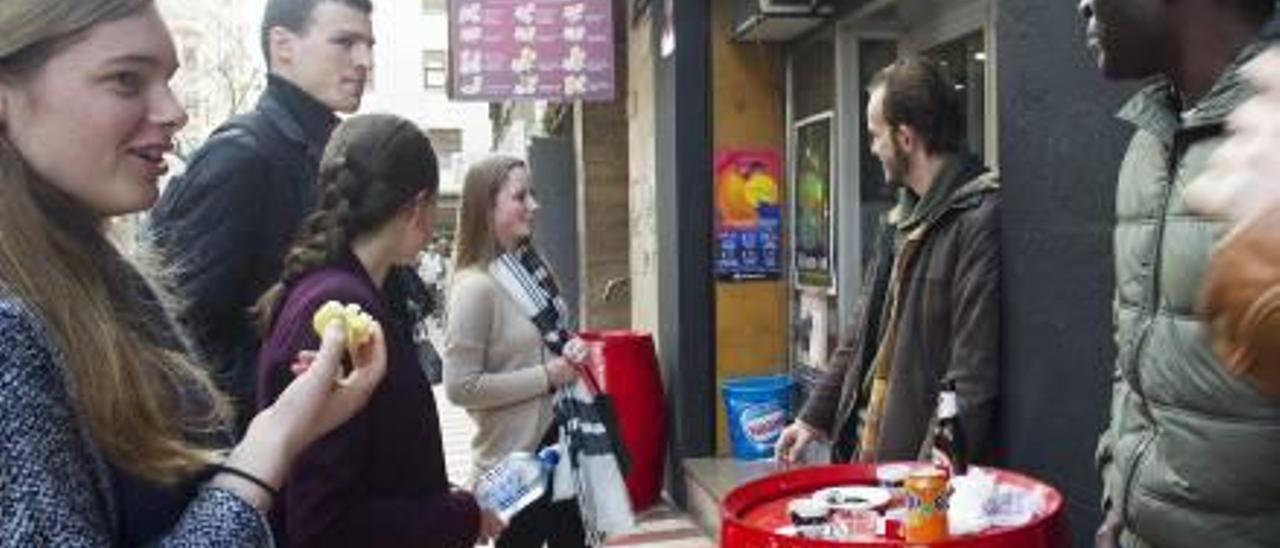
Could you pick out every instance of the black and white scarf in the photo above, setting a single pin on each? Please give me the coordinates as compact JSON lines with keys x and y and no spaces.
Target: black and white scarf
{"x":528,"y":281}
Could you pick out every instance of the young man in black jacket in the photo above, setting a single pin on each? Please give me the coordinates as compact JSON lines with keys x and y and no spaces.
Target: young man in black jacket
{"x":226,"y":223}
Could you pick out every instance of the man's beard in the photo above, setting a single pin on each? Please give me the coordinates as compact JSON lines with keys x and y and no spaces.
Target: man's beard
{"x":897,"y":168}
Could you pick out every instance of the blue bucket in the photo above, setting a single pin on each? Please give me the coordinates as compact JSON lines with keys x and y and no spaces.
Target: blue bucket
{"x":757,"y":409}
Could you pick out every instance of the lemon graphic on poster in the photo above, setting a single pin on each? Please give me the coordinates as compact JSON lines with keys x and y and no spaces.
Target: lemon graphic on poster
{"x":761,"y":189}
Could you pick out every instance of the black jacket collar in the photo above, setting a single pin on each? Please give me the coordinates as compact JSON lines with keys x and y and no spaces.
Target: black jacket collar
{"x":300,"y":117}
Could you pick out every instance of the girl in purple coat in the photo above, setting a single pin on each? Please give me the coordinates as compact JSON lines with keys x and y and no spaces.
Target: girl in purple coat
{"x":379,"y":479}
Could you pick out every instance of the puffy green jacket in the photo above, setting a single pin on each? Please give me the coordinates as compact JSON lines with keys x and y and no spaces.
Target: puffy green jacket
{"x":1192,"y":454}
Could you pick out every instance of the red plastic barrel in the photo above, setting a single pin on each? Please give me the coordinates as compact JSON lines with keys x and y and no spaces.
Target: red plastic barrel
{"x":626,"y":366}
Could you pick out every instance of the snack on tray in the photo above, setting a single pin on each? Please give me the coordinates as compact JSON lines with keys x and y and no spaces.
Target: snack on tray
{"x":811,"y":517}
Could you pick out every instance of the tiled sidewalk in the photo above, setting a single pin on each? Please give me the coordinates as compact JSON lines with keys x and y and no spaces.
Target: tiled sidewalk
{"x":663,"y":527}
{"x":456,"y":430}
{"x":659,"y":527}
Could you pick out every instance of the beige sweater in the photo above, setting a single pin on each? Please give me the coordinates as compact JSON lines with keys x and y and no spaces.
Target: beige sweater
{"x":493,"y":368}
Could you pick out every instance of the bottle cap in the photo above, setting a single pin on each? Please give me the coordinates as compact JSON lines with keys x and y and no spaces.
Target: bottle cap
{"x":549,"y":455}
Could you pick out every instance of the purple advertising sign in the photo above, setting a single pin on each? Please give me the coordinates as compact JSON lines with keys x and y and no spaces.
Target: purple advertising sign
{"x":531,"y":49}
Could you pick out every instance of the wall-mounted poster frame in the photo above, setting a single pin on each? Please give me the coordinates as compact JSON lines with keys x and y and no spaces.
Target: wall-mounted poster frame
{"x":812,"y":191}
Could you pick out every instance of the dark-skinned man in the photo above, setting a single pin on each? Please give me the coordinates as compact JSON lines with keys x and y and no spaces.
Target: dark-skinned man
{"x":1188,"y":459}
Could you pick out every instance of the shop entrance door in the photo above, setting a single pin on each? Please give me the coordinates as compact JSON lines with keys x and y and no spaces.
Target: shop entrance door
{"x":855,"y":191}
{"x":964,"y":60}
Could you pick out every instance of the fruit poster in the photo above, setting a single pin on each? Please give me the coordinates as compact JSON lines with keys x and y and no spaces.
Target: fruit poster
{"x":748,"y":215}
{"x":813,"y":228}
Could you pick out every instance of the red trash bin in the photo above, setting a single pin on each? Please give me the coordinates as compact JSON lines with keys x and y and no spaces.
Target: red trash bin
{"x":626,"y":366}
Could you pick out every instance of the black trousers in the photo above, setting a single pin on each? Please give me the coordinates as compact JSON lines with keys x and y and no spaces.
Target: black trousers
{"x":553,"y":524}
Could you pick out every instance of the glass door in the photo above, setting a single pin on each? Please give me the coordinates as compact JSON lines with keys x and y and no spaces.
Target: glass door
{"x":965,"y":62}
{"x":814,"y":189}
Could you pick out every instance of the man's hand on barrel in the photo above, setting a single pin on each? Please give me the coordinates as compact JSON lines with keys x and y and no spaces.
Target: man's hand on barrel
{"x":794,"y":438}
{"x":1108,"y":535}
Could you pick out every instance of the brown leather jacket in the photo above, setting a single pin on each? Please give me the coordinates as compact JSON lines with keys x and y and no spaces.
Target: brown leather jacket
{"x":948,"y":326}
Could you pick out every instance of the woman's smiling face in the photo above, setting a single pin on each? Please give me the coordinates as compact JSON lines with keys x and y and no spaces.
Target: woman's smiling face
{"x":514,"y":209}
{"x":97,"y":119}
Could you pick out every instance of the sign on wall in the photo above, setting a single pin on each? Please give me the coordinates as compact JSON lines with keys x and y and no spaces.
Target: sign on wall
{"x":748,"y":215}
{"x":557,"y":50}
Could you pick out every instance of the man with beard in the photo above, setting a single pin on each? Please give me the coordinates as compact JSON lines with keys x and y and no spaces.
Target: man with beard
{"x":225,"y":225}
{"x":929,"y":306}
{"x":1188,"y":458}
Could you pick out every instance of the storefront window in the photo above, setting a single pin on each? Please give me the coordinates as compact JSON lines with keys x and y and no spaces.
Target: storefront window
{"x":875,"y":196}
{"x":814,"y":187}
{"x":813,"y":71}
{"x":965,"y":62}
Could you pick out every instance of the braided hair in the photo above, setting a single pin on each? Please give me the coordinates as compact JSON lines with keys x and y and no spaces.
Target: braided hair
{"x":373,"y":167}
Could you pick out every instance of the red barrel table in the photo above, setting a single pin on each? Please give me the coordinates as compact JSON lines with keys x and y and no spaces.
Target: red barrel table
{"x":626,"y":367}
{"x":751,"y":513}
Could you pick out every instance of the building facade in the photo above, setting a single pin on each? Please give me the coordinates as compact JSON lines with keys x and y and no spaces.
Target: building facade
{"x":410,"y":79}
{"x":221,"y":69}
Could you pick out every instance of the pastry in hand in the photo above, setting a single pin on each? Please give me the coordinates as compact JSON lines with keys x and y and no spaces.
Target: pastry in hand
{"x":357,"y":323}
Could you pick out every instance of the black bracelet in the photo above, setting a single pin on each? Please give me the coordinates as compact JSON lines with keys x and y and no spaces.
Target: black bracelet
{"x":275,"y":493}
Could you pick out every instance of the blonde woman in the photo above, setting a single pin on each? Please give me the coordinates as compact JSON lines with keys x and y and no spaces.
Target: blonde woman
{"x":496,"y":362}
{"x":109,"y":435}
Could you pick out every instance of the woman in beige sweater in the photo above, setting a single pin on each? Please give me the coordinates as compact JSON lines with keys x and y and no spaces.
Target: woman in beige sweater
{"x":496,"y":365}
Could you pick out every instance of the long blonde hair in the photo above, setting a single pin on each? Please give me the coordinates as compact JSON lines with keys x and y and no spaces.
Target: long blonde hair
{"x":139,"y":397}
{"x":476,"y":242}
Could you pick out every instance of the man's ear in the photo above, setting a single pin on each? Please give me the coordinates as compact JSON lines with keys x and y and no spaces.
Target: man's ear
{"x":411,"y":212}
{"x":423,"y":214}
{"x":906,"y":138}
{"x":280,"y":46}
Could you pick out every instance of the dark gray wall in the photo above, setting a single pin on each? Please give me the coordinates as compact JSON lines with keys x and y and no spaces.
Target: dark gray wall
{"x":686,"y":296}
{"x":1060,"y":147}
{"x":555,"y":233}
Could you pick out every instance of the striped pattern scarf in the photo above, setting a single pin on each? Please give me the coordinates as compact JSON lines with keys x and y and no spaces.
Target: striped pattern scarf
{"x":528,"y":281}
